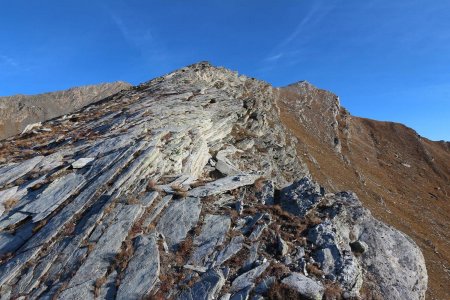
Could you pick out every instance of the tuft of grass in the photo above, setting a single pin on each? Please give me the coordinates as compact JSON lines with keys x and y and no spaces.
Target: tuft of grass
{"x":39,"y":226}
{"x":259,"y":183}
{"x":280,"y":291}
{"x":10,"y":203}
{"x":333,"y":291}
{"x":152,"y":185}
{"x":98,"y":284}
{"x":314,"y":270}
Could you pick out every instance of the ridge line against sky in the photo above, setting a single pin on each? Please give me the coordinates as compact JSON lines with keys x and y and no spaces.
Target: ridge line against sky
{"x":386,"y":60}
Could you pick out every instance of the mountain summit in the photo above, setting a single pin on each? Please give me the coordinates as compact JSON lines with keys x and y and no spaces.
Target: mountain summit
{"x":196,"y":185}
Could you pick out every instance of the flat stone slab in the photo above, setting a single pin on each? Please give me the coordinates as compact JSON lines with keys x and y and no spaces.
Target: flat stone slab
{"x":142,"y":270}
{"x":180,"y":217}
{"x":248,"y":278}
{"x":305,"y":286}
{"x":55,"y":194}
{"x":207,"y":288}
{"x":12,"y":172}
{"x":213,"y":234}
{"x":222,"y":185}
{"x":82,"y":162}
{"x":96,"y":264}
{"x":230,"y":250}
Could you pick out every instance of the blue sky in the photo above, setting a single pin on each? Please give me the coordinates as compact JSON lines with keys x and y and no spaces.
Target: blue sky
{"x":387,"y":60}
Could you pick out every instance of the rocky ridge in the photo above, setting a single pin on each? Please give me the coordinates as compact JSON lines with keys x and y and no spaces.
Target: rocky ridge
{"x":18,"y":111}
{"x":187,"y":187}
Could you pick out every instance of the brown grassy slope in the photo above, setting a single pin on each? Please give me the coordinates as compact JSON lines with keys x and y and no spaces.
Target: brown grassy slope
{"x":402,"y":178}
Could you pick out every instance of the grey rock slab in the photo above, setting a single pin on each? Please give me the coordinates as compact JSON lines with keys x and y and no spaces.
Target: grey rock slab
{"x":82,"y":162}
{"x":180,"y":217}
{"x":282,"y":246}
{"x":142,"y":271}
{"x":109,"y":290}
{"x":264,"y":286}
{"x":148,"y":199}
{"x":305,"y":286}
{"x":300,"y":197}
{"x":267,"y":193}
{"x":233,"y":247}
{"x":248,"y":278}
{"x":197,"y":159}
{"x":157,"y":210}
{"x":252,"y":257}
{"x":80,"y":202}
{"x":11,"y":268}
{"x":243,"y":294}
{"x":12,"y":219}
{"x":195,"y":268}
{"x":256,"y":234}
{"x":55,"y":194}
{"x":9,"y":242}
{"x":222,"y":185}
{"x":213,"y":234}
{"x":224,"y":165}
{"x":14,"y":171}
{"x":207,"y":288}
{"x":107,"y":247}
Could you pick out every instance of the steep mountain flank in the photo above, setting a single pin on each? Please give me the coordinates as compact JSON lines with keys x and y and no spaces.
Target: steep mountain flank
{"x":187,"y":187}
{"x":401,"y":177}
{"x":16,"y":112}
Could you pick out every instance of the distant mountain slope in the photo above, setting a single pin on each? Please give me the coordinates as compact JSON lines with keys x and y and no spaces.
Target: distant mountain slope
{"x":403,"y":178}
{"x":17,"y":111}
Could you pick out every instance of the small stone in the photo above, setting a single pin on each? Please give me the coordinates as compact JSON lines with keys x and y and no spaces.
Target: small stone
{"x":248,"y":278}
{"x":82,"y":162}
{"x":195,"y":268}
{"x":305,"y":286}
{"x":359,"y":247}
{"x":282,"y":246}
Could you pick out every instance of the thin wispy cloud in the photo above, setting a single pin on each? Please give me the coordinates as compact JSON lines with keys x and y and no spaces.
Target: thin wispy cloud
{"x":140,"y":37}
{"x":313,"y":17}
{"x":8,"y":61}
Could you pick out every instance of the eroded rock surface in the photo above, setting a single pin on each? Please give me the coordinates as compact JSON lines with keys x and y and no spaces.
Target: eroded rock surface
{"x":187,"y":187}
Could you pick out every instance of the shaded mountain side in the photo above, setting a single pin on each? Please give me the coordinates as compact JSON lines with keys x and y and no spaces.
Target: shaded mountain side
{"x":17,"y":111}
{"x":404,"y":179}
{"x":187,"y":187}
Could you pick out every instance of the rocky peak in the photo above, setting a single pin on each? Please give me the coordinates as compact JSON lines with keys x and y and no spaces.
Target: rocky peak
{"x":187,"y":187}
{"x":318,"y":110}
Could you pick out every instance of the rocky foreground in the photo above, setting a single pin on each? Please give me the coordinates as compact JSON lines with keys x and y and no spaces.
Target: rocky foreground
{"x":187,"y":187}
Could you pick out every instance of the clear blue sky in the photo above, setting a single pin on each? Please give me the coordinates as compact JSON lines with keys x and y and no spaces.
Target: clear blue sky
{"x":387,"y":60}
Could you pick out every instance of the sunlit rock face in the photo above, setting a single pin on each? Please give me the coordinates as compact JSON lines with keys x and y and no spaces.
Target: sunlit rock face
{"x":187,"y":187}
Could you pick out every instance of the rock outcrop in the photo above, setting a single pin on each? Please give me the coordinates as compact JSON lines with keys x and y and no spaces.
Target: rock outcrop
{"x":187,"y":187}
{"x":21,"y":113}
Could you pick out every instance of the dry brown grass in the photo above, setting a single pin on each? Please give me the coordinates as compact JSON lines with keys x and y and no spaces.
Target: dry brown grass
{"x":133,"y":201}
{"x":184,"y":250}
{"x":280,"y":291}
{"x":98,"y":285}
{"x":333,"y":291}
{"x":259,"y":183}
{"x":69,"y":228}
{"x":10,"y":203}
{"x":39,"y":226}
{"x":314,"y":270}
{"x":152,"y":185}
